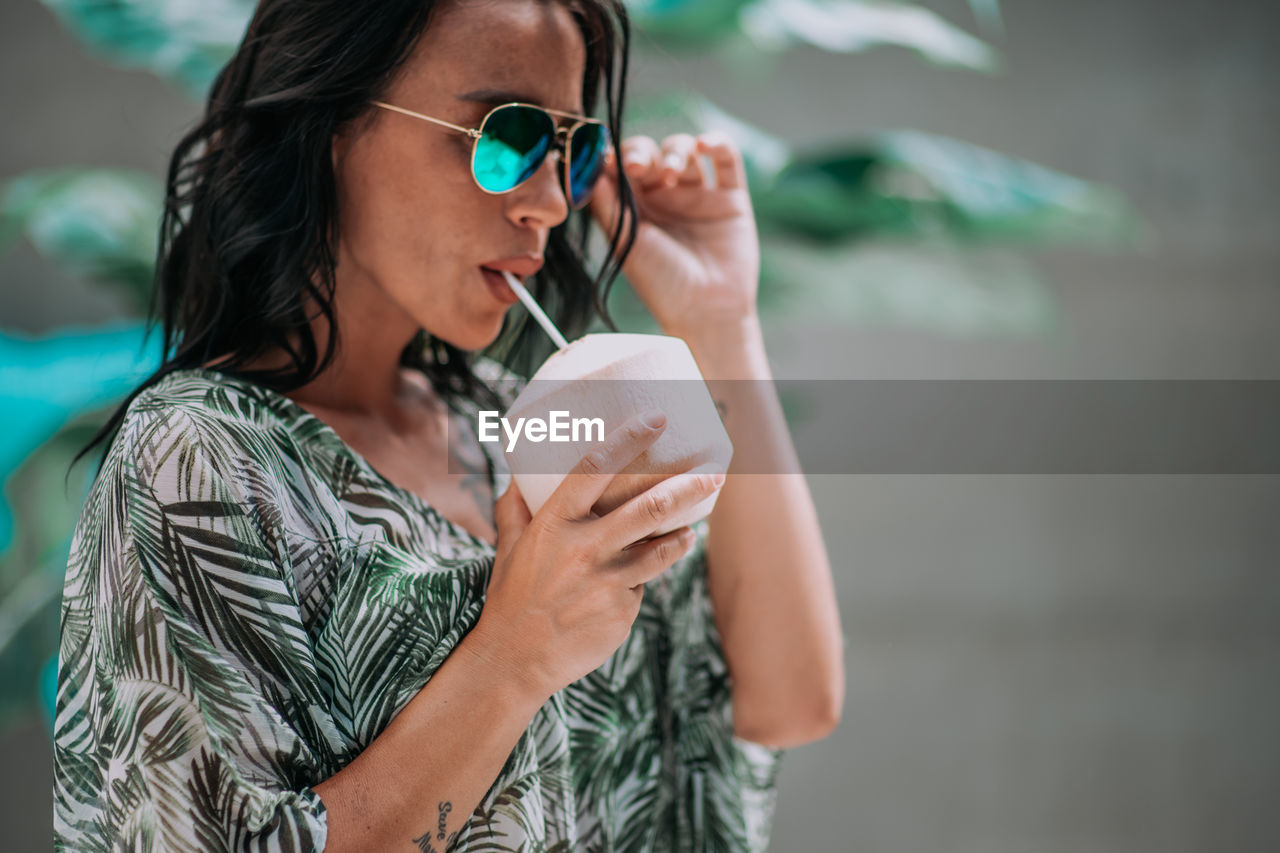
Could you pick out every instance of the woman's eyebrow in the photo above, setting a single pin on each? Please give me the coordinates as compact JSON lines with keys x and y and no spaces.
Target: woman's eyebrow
{"x":493,"y":97}
{"x":498,"y":96}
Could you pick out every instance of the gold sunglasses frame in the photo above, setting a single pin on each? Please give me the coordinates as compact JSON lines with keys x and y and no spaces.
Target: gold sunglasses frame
{"x":562,"y":143}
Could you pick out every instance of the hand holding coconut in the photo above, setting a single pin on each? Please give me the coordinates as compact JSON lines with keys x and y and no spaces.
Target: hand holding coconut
{"x":567,"y":583}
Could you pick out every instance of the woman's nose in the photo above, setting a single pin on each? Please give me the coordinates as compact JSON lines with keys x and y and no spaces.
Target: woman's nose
{"x":541,"y":199}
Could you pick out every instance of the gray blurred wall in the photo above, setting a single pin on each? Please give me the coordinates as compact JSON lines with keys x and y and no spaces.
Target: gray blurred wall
{"x":1034,"y":663}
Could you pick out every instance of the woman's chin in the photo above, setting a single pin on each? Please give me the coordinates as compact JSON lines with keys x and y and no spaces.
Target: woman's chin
{"x":475,"y":336}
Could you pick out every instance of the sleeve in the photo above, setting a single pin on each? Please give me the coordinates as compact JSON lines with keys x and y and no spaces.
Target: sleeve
{"x":181,"y":719}
{"x":726,"y":787}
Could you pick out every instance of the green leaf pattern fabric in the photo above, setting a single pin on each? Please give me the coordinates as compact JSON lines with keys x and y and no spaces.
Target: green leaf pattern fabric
{"x":248,"y":603}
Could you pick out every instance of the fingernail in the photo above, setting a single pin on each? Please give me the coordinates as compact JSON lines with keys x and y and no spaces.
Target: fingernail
{"x":718,"y":479}
{"x":654,"y":419}
{"x":672,"y":161}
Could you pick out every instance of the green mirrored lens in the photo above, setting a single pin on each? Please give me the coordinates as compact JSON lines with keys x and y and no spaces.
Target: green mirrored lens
{"x":586,"y":161}
{"x":513,"y":142}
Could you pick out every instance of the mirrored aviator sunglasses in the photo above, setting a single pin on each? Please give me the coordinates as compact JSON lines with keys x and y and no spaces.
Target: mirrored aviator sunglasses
{"x":515,"y":138}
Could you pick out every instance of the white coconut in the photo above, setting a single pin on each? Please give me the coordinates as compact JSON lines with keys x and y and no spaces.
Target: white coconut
{"x":614,"y":377}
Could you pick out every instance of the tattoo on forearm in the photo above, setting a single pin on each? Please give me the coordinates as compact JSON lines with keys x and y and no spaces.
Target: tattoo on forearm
{"x":445,"y":808}
{"x":424,"y":841}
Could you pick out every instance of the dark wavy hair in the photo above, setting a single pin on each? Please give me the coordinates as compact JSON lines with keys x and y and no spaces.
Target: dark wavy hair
{"x":251,"y":218}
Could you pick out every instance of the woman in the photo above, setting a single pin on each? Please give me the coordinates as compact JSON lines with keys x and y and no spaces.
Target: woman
{"x":287,"y":625}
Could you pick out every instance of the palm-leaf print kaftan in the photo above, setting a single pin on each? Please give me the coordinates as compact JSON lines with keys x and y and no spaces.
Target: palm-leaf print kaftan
{"x":248,"y":603}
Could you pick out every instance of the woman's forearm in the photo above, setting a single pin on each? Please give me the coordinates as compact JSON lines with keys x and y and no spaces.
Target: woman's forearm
{"x":767,"y":568}
{"x":418,"y":782}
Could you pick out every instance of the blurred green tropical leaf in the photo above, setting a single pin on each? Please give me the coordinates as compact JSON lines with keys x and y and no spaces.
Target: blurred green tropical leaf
{"x":28,"y":637}
{"x":987,"y":14}
{"x":853,"y":26}
{"x":49,"y":689}
{"x":912,"y":184}
{"x":839,"y":26}
{"x":31,"y":570}
{"x":686,"y":22}
{"x":45,"y":382}
{"x":938,"y":287}
{"x":934,"y":286}
{"x":905,"y":184}
{"x":187,"y":41}
{"x":100,"y":223}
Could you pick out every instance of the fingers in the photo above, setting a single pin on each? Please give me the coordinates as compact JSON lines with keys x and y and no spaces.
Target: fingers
{"x":682,"y":160}
{"x":650,"y":510}
{"x":651,"y":166}
{"x":726,"y":160}
{"x":646,"y":560}
{"x":641,"y":161}
{"x":679,"y":165}
{"x":586,"y":482}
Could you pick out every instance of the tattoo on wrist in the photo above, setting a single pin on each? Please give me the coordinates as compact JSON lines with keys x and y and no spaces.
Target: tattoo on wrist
{"x":423,"y":841}
{"x":445,"y":808}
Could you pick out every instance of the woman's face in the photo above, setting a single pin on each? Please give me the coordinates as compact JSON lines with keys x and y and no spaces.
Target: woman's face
{"x":414,"y":228}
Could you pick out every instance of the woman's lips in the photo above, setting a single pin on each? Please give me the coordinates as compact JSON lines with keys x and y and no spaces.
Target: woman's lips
{"x":497,"y":285}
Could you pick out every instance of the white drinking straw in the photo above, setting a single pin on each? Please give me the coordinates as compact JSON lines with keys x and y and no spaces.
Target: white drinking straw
{"x":535,"y":309}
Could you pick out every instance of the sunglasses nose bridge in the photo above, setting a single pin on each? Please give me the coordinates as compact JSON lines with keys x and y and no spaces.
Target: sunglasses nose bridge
{"x":560,"y":144}
{"x":559,"y":149}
